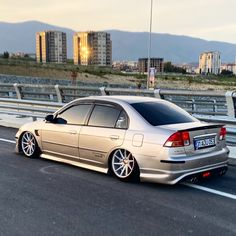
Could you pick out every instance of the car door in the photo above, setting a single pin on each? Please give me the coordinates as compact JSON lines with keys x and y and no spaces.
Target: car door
{"x":61,"y":137}
{"x":105,"y":131}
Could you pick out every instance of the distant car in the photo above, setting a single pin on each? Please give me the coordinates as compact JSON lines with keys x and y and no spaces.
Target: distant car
{"x":132,"y":137}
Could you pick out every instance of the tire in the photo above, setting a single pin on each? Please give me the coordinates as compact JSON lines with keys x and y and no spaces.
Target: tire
{"x":29,"y":145}
{"x":124,"y":166}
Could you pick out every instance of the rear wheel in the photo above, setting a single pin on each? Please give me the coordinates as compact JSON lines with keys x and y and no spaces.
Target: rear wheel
{"x":29,"y":145}
{"x":124,"y":165}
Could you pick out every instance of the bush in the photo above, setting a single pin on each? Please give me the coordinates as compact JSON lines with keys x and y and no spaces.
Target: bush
{"x":226,"y":72}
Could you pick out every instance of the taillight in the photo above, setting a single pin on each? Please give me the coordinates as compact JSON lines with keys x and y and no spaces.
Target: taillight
{"x":186,"y":138}
{"x":206,"y":174}
{"x":222,"y":133}
{"x":178,"y":139}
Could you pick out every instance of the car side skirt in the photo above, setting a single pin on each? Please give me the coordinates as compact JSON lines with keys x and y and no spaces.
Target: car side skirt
{"x":75,"y":163}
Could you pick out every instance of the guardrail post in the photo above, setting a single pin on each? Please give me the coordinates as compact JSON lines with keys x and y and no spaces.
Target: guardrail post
{"x":18,"y":91}
{"x":230,"y":101}
{"x":157,"y":94}
{"x":59,"y":93}
{"x":51,"y":97}
{"x":215,"y":108}
{"x":103,"y":91}
{"x":10,"y":94}
{"x":193,"y":105}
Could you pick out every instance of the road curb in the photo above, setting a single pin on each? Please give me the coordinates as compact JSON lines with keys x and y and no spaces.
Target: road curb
{"x":13,"y":121}
{"x":10,"y":125}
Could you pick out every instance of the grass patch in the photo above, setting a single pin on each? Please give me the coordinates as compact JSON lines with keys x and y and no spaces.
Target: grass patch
{"x":28,"y":67}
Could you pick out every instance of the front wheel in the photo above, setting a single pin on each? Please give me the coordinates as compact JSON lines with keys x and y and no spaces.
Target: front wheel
{"x":124,"y":165}
{"x":29,"y":145}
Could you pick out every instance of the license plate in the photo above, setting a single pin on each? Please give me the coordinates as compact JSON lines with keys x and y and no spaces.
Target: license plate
{"x":204,"y":143}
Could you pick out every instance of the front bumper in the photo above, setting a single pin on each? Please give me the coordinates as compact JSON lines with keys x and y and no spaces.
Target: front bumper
{"x":17,"y":149}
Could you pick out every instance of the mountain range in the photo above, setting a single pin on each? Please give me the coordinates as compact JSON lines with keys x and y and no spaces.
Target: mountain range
{"x":20,"y":37}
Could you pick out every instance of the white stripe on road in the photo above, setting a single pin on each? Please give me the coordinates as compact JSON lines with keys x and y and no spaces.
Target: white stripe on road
{"x":7,"y":140}
{"x":210,"y":190}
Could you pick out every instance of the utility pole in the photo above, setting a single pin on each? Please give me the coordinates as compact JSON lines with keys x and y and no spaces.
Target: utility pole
{"x":234,"y":67}
{"x":149,"y":46}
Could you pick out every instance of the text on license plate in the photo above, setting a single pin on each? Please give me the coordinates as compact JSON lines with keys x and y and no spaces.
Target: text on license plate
{"x":204,"y":143}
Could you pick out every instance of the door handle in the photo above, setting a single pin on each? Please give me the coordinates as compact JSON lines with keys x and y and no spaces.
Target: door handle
{"x":73,"y":132}
{"x":114,"y":137}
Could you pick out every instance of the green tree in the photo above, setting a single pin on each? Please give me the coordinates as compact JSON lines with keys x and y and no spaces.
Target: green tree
{"x":226,"y":72}
{"x":168,"y":67}
{"x":5,"y":55}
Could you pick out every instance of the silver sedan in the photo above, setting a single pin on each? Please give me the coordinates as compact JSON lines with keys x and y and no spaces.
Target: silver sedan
{"x":134,"y":138}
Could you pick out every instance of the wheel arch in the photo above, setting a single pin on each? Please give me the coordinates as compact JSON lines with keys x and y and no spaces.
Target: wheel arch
{"x":19,"y":141}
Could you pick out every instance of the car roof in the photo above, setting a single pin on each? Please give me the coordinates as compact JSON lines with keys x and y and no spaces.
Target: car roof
{"x":126,"y":99}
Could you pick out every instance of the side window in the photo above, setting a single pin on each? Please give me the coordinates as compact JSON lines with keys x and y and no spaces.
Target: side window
{"x":122,"y":122}
{"x":104,"y":116}
{"x":75,"y":115}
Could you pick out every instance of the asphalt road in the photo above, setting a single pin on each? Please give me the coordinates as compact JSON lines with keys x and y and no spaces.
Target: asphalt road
{"x":40,"y":197}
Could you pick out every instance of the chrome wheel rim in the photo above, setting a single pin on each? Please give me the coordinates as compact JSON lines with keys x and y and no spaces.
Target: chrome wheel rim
{"x":28,"y":144}
{"x":122,"y":163}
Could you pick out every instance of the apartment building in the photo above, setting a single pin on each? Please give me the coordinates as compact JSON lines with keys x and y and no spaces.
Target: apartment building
{"x":157,"y":63}
{"x":210,"y":63}
{"x":92,"y":48}
{"x":51,"y":47}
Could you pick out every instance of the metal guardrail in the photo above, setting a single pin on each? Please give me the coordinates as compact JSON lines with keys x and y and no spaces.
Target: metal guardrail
{"x":34,"y":109}
{"x":37,"y":100}
{"x":200,"y":102}
{"x":229,"y":122}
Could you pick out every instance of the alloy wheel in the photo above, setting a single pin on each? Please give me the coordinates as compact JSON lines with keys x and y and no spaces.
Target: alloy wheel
{"x":123,"y":163}
{"x":28,"y":144}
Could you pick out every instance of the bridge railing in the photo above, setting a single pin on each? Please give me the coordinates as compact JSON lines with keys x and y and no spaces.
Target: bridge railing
{"x":199,"y":102}
{"x":29,"y":108}
{"x":38,"y":100}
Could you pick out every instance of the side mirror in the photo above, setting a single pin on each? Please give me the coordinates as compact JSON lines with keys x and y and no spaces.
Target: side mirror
{"x":49,"y":118}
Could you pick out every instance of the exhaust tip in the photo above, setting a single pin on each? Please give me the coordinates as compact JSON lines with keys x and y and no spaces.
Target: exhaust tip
{"x":223,"y":172}
{"x":194,"y":180}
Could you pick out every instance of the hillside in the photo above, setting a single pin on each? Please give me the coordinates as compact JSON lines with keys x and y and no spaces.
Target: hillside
{"x":126,"y":45}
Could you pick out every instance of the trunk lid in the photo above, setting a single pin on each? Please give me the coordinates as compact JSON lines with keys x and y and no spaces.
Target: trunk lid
{"x":204,"y":137}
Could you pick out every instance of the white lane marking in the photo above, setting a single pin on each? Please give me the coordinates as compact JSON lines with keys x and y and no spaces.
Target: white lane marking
{"x":210,"y":190}
{"x":7,"y":140}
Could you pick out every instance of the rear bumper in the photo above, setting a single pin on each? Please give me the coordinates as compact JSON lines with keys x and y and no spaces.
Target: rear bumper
{"x":170,"y":173}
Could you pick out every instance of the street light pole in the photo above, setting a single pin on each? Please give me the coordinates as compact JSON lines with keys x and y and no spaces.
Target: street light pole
{"x":149,"y":46}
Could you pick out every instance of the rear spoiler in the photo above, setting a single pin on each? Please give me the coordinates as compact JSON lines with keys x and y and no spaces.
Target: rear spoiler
{"x":207,"y":126}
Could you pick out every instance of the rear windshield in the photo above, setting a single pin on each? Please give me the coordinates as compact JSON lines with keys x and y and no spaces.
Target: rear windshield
{"x":162,"y":113}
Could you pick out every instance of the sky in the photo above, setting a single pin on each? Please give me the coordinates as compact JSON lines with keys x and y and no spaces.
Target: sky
{"x":206,"y":19}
